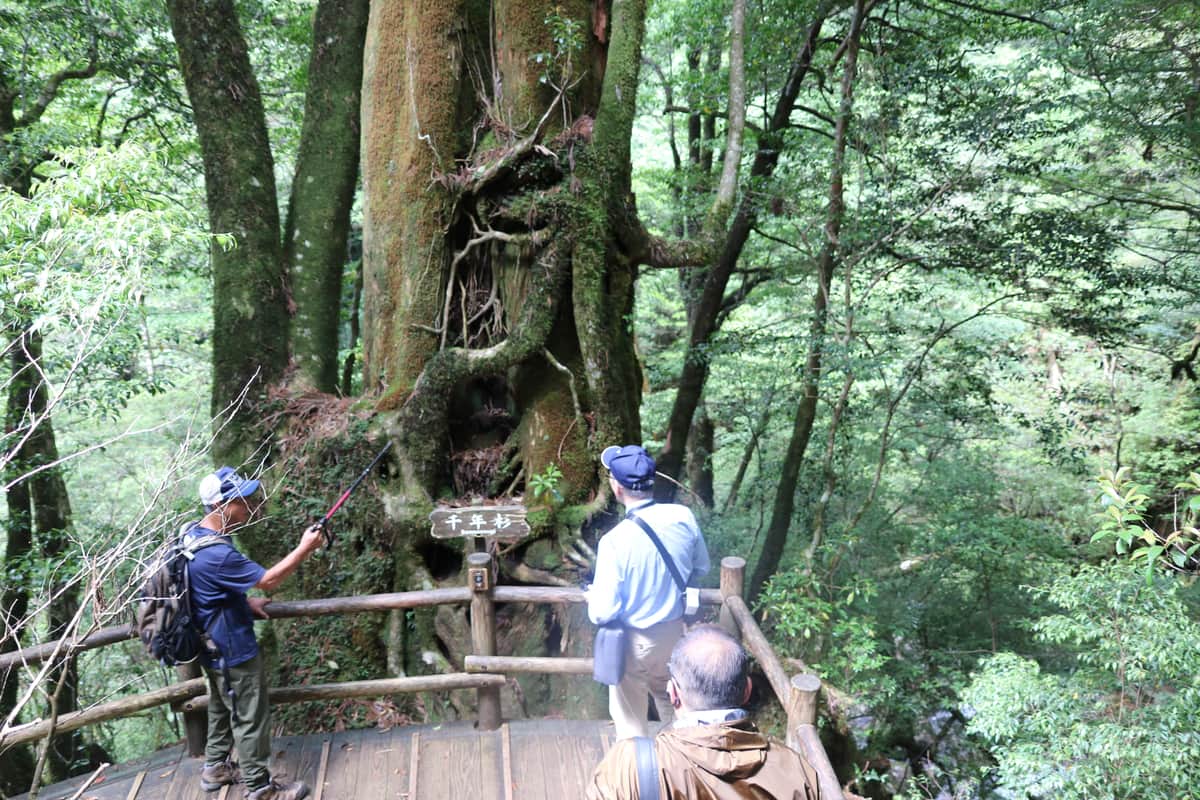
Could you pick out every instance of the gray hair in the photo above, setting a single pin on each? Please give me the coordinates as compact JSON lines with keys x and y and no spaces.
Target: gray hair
{"x":709,"y":668}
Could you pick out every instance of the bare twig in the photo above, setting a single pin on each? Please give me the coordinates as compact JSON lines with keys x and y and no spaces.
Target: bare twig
{"x":554,"y":362}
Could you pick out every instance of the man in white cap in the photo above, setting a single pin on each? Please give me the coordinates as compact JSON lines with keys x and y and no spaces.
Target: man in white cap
{"x":238,"y":714}
{"x":639,"y":583}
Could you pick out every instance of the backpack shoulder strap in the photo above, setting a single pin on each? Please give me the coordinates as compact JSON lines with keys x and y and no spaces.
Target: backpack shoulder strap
{"x":647,"y":768}
{"x":662,"y":550}
{"x":199,"y":543}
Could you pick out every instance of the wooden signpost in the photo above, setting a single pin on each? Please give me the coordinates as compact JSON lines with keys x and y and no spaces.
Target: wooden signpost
{"x":481,"y":523}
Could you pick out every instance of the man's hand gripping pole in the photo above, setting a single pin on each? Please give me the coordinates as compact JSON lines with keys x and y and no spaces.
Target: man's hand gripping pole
{"x":330,"y":537}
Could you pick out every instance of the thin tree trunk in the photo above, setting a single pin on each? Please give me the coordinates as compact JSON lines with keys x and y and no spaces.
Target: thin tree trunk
{"x":821,"y":509}
{"x":700,"y":450}
{"x":727,"y":185}
{"x":52,"y":520}
{"x":250,"y":319}
{"x":756,"y":433}
{"x":355,"y":311}
{"x":785,"y":495}
{"x":45,"y":497}
{"x":695,"y":366}
{"x":781,"y":511}
{"x":701,"y":136}
{"x":318,"y":221}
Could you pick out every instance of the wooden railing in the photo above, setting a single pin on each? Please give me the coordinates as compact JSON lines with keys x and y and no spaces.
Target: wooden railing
{"x":485,"y":670}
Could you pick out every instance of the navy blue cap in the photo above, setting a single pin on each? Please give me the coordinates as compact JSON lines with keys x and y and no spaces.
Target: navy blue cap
{"x":224,"y":485}
{"x":630,"y":465}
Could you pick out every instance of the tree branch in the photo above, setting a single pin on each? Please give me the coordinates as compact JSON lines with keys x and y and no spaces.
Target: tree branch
{"x":55,"y":81}
{"x":668,"y":98}
{"x":674,"y":109}
{"x":999,"y":12}
{"x":662,"y":253}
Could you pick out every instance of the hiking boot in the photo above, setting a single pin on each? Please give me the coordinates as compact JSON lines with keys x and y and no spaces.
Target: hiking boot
{"x":278,"y":791}
{"x":214,"y":776}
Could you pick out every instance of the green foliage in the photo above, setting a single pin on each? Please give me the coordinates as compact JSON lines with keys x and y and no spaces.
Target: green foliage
{"x":1120,"y":719}
{"x":566,"y":36}
{"x":116,"y":63}
{"x":545,"y":483}
{"x":824,"y":627}
{"x":83,"y":252}
{"x":1126,"y":521}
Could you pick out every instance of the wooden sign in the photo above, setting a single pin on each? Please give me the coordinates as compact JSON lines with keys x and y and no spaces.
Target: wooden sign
{"x":492,"y":522}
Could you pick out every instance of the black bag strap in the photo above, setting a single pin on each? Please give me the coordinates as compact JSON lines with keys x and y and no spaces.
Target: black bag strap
{"x":662,"y":550}
{"x":647,"y":768}
{"x":188,"y":550}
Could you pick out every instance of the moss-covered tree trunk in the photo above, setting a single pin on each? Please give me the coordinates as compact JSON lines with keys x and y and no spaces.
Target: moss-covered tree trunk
{"x":258,"y":282}
{"x":480,"y":195}
{"x":497,"y":290}
{"x":318,"y":221}
{"x":250,"y":320}
{"x":39,"y":525}
{"x":16,"y":763}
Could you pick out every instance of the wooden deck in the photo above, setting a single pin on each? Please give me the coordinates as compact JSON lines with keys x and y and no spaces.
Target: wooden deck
{"x":525,"y":760}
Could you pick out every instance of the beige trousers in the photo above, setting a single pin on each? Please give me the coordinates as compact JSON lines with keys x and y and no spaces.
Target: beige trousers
{"x":646,"y":655}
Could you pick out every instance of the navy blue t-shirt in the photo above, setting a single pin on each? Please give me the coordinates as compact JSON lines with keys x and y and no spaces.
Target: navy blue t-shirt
{"x":220,"y":577}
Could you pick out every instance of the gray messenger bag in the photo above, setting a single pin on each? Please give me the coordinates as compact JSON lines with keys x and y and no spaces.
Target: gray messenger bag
{"x":608,"y":653}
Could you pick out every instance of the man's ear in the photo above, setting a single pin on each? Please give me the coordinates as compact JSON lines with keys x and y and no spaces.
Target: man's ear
{"x":673,"y":693}
{"x":749,"y":689}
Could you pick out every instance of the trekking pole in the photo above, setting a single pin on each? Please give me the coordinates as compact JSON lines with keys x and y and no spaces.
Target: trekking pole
{"x":329,"y":535}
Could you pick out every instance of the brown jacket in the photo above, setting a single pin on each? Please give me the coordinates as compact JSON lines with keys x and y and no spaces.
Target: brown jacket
{"x":725,"y":761}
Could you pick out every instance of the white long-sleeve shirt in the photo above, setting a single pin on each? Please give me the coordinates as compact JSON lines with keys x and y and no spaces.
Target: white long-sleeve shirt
{"x":632,"y":583}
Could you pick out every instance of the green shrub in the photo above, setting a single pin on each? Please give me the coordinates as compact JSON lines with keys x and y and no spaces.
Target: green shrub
{"x":1122,"y":720}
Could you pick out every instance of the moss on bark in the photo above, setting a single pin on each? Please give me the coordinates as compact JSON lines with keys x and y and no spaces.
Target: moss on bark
{"x":602,"y":275}
{"x":550,"y":256}
{"x":413,"y":80}
{"x":318,"y":222}
{"x":249,"y":297}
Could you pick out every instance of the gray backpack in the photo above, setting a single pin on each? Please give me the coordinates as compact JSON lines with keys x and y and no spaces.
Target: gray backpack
{"x":165,"y":620}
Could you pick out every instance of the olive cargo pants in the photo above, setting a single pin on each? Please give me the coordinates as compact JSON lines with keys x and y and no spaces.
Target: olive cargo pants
{"x":251,"y":732}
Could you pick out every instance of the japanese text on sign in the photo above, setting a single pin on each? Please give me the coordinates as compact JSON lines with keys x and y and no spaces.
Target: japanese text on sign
{"x":496,"y":522}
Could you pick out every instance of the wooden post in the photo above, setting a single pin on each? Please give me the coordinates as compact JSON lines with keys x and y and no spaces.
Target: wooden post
{"x":195,"y":723}
{"x":733,"y":573}
{"x":802,"y":735}
{"x":801,"y":705}
{"x":483,"y":633}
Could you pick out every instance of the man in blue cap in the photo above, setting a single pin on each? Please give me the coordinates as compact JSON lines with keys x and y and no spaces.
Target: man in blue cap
{"x":238,"y":714}
{"x":640,"y":585}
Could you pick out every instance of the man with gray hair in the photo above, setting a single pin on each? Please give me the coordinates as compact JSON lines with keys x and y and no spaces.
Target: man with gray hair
{"x":712,"y":750}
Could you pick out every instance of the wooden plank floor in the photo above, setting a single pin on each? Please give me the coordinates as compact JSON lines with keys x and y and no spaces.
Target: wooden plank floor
{"x":546,"y":759}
